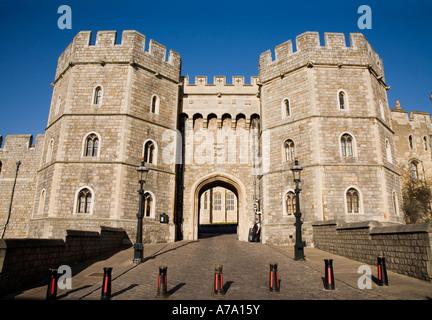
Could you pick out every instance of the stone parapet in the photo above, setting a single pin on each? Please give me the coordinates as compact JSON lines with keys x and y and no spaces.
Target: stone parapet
{"x":26,"y":261}
{"x":407,"y":248}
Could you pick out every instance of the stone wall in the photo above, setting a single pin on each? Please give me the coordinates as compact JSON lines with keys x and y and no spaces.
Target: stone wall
{"x":20,"y":199}
{"x":407,"y":248}
{"x":26,"y":261}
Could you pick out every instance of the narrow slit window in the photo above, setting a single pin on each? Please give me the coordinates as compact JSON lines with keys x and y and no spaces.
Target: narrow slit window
{"x":148,"y":204}
{"x":287,"y":108}
{"x":414,"y":170}
{"x":149,"y":150}
{"x":289,"y":150}
{"x":98,"y":95}
{"x":290,"y":201}
{"x":342,"y":105}
{"x":154,"y":108}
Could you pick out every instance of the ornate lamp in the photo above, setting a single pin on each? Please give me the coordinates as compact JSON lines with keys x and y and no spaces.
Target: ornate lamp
{"x":142,"y":171}
{"x":299,"y":244}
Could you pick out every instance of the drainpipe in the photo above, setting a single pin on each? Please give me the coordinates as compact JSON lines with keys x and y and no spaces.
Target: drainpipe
{"x":10,"y":203}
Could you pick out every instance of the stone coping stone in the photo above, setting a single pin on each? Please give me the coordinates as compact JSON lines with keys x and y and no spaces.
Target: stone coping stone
{"x":324,"y":223}
{"x":377,"y":227}
{"x":80,"y":233}
{"x":23,"y":243}
{"x":424,"y":227}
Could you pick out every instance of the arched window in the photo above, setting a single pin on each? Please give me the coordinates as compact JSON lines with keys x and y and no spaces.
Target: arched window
{"x":42,"y":202}
{"x":1,"y":165}
{"x":217,"y":201}
{"x":290,"y":202}
{"x":49,"y":151}
{"x":342,"y":100}
{"x":414,"y":169}
{"x":410,"y":141}
{"x":353,"y":201}
{"x":84,"y":200}
{"x":388,"y":151}
{"x":289,"y":150}
{"x":425,"y":143}
{"x":347,"y":145}
{"x":230,"y":201}
{"x":149,"y":152}
{"x":154,"y":108}
{"x":148,"y":205}
{"x":286,"y":107}
{"x":91,"y":148}
{"x":97,"y":99}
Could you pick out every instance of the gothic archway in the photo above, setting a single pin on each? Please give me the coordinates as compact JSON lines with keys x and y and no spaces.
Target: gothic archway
{"x":232,"y":184}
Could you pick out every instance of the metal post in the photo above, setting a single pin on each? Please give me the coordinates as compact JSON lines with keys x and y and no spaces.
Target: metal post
{"x":162,"y":283}
{"x":382,"y":272}
{"x":138,"y":246}
{"x":218,"y":283}
{"x":328,"y":275}
{"x":299,"y":244}
{"x":274,"y":286}
{"x":52,"y":285}
{"x":106,"y":284}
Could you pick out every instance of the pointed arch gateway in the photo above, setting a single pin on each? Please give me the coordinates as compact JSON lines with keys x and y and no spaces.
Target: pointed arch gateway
{"x":229,"y":182}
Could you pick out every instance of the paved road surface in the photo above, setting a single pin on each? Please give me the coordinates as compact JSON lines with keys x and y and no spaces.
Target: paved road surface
{"x":245,"y":275}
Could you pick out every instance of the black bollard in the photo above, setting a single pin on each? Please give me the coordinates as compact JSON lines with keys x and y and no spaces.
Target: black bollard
{"x":106,"y":284}
{"x":382,"y":272}
{"x":218,"y":283}
{"x":162,"y":283}
{"x":52,"y":285}
{"x":274,"y":279}
{"x":328,"y":275}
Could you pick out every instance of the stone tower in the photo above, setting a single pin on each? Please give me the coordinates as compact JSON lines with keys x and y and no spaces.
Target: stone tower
{"x":112,"y":103}
{"x":326,"y":105}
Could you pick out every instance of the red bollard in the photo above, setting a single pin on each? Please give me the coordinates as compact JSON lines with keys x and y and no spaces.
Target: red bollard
{"x":218,"y":283}
{"x":274,"y":279}
{"x":382,"y":272}
{"x":328,"y":276}
{"x":52,"y":285}
{"x":106,"y":284}
{"x":162,"y":283}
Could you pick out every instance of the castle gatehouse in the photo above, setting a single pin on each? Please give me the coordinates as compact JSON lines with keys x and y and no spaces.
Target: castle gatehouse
{"x":219,"y":151}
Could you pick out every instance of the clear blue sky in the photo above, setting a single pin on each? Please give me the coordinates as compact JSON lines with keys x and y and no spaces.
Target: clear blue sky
{"x":223,"y":37}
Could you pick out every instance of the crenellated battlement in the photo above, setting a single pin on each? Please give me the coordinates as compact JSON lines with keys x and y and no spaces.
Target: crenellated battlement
{"x":130,"y":50}
{"x":309,"y":52}
{"x":220,"y":85}
{"x":220,"y":81}
{"x":20,"y":142}
{"x":415,"y":118}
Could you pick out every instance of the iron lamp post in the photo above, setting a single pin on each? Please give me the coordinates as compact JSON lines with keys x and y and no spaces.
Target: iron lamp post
{"x":299,"y":244}
{"x":138,"y":246}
